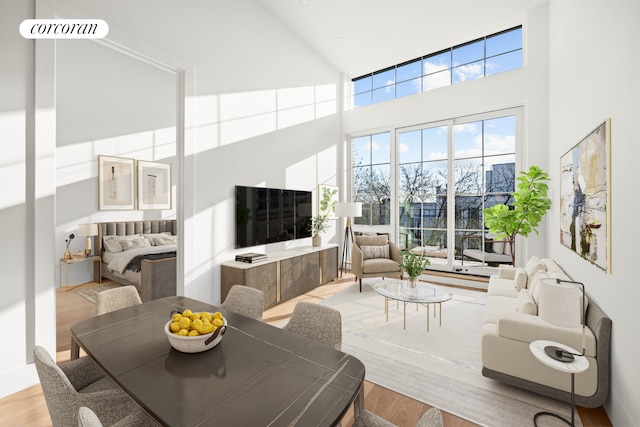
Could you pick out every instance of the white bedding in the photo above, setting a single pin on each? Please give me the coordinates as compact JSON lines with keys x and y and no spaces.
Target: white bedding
{"x":117,"y":261}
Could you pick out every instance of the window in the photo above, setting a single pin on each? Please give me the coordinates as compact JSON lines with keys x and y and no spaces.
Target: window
{"x":489,"y":55}
{"x":371,"y":174}
{"x":442,"y":177}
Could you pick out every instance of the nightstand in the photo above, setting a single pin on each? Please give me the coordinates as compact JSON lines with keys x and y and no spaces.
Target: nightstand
{"x":76,"y":260}
{"x":577,"y":365}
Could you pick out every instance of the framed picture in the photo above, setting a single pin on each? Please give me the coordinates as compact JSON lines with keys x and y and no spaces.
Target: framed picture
{"x":585,"y":197}
{"x":154,"y":185}
{"x":327,"y":200}
{"x":116,"y":183}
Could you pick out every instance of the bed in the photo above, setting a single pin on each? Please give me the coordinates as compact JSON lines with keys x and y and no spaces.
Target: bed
{"x":128,"y":260}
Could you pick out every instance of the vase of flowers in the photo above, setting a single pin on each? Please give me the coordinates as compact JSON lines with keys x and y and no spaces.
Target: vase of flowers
{"x":413,"y":265}
{"x":67,"y":253}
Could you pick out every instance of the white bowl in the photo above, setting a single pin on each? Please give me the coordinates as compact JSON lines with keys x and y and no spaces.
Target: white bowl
{"x":192,"y":344}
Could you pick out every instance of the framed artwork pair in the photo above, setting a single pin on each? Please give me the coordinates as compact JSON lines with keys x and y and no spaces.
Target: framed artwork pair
{"x":120,"y":180}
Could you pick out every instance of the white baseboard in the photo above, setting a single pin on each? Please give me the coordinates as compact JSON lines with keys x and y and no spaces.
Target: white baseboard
{"x":18,"y":379}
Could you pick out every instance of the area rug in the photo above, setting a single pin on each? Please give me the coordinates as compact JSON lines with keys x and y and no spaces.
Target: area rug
{"x":90,"y":292}
{"x":440,"y":367}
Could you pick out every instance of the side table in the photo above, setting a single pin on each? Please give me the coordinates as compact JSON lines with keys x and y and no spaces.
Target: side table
{"x":76,"y":260}
{"x":577,"y":365}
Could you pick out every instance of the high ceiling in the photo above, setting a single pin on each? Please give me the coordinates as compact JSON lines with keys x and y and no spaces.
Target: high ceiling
{"x":360,"y":36}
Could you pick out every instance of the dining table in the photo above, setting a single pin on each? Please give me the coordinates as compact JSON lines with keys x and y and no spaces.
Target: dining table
{"x":258,"y":375}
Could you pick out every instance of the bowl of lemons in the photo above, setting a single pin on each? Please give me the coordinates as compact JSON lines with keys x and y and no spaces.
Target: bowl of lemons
{"x":194,"y":332}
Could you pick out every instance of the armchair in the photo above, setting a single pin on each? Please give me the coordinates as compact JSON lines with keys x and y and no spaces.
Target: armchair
{"x":375,"y":256}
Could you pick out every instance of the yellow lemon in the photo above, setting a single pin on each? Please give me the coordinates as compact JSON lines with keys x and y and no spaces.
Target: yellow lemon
{"x":206,"y":321}
{"x":205,"y":316}
{"x":174,"y":327}
{"x":176,"y":317}
{"x":187,"y":313}
{"x":217,"y":322}
{"x":195,"y":316}
{"x":196,"y":324}
{"x":217,"y":315}
{"x":205,"y":328}
{"x":185,"y":322}
{"x":183,"y":332}
{"x":193,"y":333}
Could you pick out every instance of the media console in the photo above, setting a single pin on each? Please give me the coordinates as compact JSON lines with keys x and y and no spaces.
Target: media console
{"x":283,"y":275}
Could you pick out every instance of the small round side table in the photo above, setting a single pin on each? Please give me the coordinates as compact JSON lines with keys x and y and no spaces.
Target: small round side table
{"x":577,"y":365}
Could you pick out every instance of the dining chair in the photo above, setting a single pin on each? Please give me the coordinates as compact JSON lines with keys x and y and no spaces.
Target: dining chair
{"x":117,"y":298}
{"x":431,"y":418}
{"x":88,"y":418}
{"x":245,"y":300}
{"x":317,"y":322}
{"x":71,"y":385}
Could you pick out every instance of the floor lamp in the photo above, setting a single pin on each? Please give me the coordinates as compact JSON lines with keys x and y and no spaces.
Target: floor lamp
{"x":347,"y":210}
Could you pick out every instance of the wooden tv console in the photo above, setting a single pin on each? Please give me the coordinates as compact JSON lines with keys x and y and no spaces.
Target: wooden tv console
{"x":283,"y":275}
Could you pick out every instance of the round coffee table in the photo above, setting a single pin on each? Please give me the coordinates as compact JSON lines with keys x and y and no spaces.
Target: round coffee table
{"x":401,"y":291}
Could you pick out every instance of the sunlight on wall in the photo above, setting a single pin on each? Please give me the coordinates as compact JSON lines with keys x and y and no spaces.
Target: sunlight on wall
{"x":12,"y":161}
{"x":219,"y":120}
{"x":77,"y":162}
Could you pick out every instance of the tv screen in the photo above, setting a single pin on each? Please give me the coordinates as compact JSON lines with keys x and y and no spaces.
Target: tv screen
{"x":269,"y":215}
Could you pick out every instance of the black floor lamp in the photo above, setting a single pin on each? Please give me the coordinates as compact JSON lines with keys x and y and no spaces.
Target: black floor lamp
{"x":347,"y":210}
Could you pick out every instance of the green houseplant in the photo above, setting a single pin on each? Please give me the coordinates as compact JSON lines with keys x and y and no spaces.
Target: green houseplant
{"x":413,"y":264}
{"x":530,"y":204}
{"x":319,"y":224}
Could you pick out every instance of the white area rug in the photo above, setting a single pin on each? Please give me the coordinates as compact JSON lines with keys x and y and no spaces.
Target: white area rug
{"x":441,"y":367}
{"x":90,"y":292}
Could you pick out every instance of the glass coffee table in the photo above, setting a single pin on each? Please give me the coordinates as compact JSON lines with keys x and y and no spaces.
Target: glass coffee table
{"x":401,"y":291}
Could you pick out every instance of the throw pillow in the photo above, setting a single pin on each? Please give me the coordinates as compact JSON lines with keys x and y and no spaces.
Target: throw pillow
{"x":111,"y":245}
{"x":534,"y":287}
{"x":164,"y":240}
{"x":520,"y":278}
{"x":370,"y":252}
{"x":525,"y":303}
{"x":152,"y":237}
{"x":533,"y":266}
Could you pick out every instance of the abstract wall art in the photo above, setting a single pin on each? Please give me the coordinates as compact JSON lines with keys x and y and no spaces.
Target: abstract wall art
{"x":585,"y":197}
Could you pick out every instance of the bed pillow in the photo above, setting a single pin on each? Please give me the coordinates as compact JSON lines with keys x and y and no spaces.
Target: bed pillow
{"x":152,"y":237}
{"x":370,"y":252}
{"x":138,"y":243}
{"x":164,"y":240}
{"x":115,"y":243}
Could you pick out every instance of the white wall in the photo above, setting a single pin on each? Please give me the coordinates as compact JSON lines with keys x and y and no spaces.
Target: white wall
{"x":592,"y":77}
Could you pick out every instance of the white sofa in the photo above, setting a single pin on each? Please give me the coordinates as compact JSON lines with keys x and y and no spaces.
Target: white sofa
{"x":511,"y":323}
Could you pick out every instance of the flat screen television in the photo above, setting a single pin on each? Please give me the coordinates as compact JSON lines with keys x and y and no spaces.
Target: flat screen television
{"x":269,"y":215}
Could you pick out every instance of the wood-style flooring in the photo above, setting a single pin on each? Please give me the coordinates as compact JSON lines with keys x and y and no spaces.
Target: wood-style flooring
{"x":28,"y":407}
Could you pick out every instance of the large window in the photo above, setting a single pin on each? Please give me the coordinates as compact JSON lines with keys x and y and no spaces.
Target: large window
{"x":444,"y":175}
{"x":371,"y":174}
{"x":489,"y":55}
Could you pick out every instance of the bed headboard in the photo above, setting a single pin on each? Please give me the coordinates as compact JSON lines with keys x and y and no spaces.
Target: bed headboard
{"x":125,"y":228}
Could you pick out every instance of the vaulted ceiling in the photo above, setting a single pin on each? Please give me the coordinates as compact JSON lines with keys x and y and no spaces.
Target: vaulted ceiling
{"x":360,"y":36}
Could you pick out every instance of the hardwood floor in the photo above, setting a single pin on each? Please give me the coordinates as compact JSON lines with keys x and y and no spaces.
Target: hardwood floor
{"x":28,"y":407}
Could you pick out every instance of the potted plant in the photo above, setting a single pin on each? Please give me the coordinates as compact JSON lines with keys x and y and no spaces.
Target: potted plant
{"x":319,"y":224}
{"x":413,"y":264}
{"x":530,"y":204}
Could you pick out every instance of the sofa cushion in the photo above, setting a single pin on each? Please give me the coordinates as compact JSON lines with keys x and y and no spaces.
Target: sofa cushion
{"x":534,"y":287}
{"x":497,"y":306}
{"x":533,"y":266}
{"x":525,"y":304}
{"x":370,"y":252}
{"x":520,"y":278}
{"x":501,"y":287}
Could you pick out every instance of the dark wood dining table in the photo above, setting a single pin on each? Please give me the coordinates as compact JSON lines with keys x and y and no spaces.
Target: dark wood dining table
{"x":258,"y":375}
